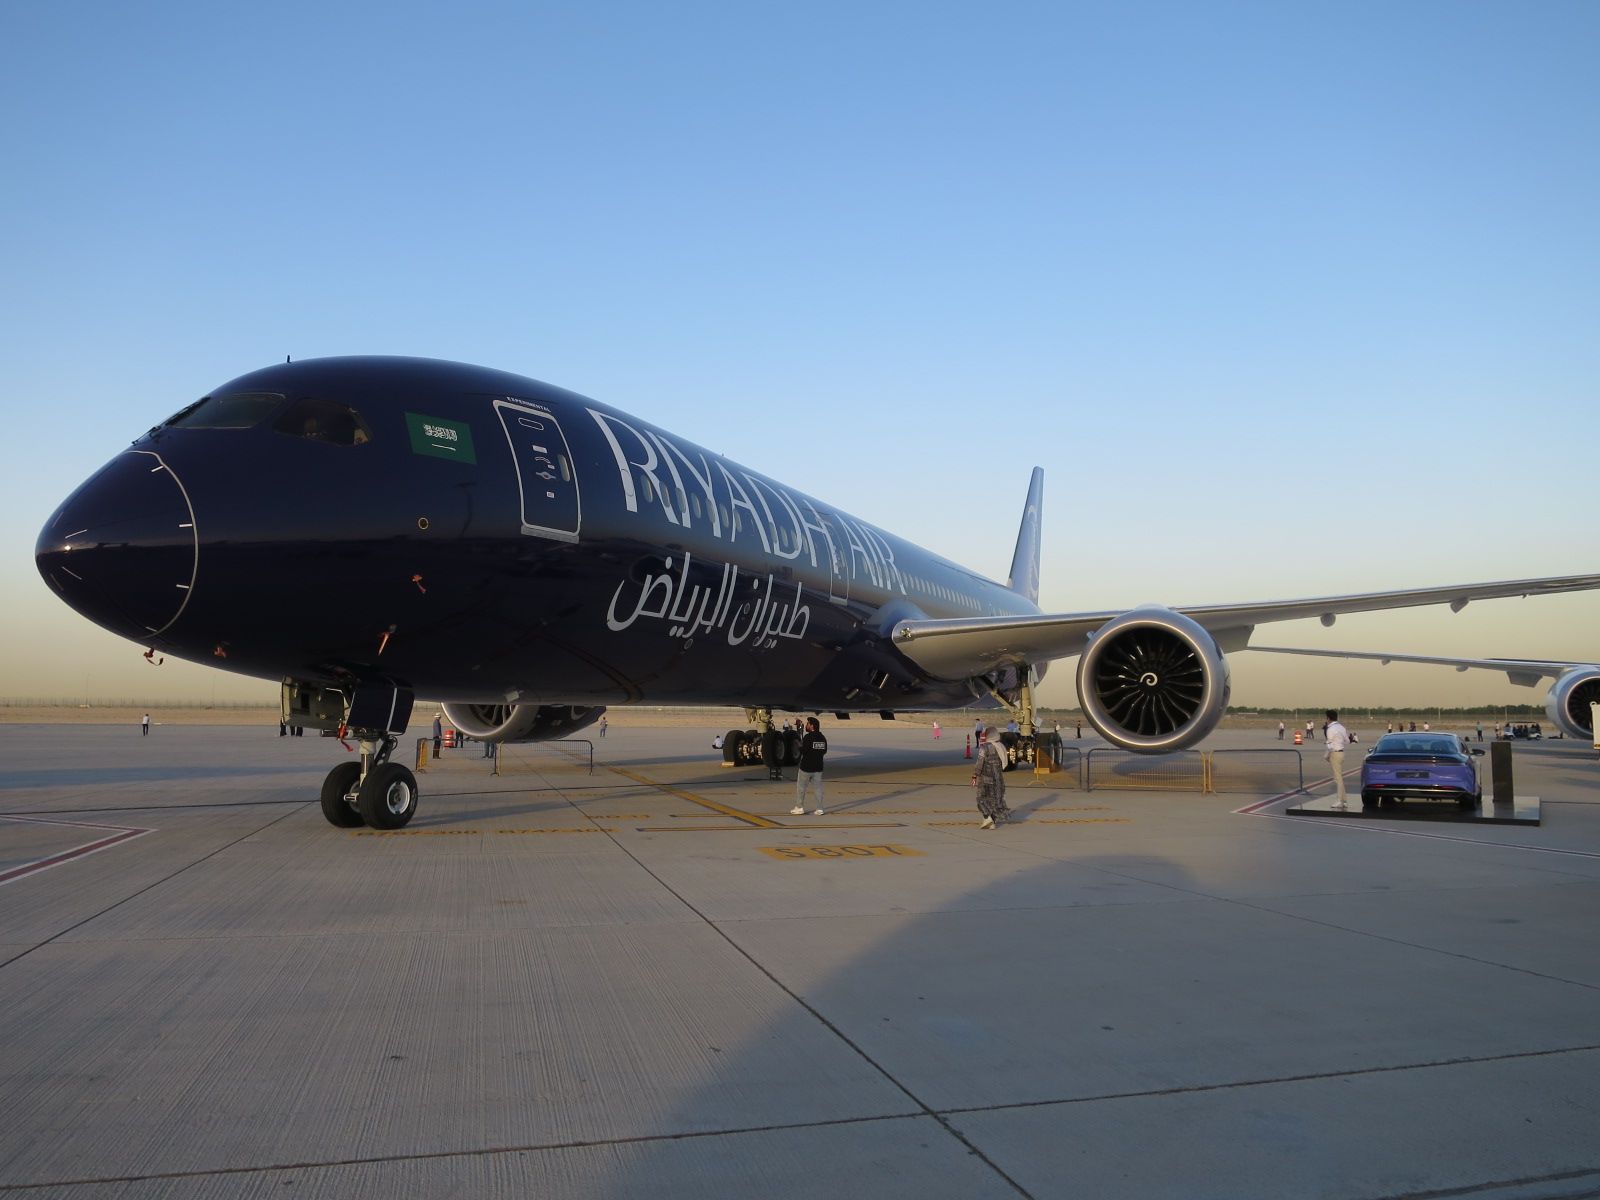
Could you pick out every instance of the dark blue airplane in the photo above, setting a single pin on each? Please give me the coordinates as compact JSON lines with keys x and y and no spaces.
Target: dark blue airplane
{"x":367,"y":530}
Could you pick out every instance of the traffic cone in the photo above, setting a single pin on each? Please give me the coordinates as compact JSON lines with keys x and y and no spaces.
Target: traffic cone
{"x":969,"y":746}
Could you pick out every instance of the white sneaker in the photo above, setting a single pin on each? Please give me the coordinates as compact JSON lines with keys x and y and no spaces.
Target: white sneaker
{"x":797,"y":811}
{"x":817,"y":813}
{"x":986,"y":823}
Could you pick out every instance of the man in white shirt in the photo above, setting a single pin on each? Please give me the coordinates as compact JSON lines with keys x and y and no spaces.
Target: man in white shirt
{"x":1338,"y":740}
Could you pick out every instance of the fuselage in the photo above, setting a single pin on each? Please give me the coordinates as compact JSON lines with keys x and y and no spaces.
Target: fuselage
{"x":481,"y":537}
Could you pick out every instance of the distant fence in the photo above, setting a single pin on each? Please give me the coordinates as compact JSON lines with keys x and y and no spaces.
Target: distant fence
{"x":1203,"y":771}
{"x":522,"y":755}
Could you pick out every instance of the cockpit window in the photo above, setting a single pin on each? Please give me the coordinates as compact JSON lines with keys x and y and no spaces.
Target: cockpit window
{"x":237,"y":410}
{"x":324,"y":421}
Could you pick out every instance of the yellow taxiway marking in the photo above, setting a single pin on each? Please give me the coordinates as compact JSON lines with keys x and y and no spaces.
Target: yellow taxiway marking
{"x":1036,"y":821}
{"x":568,"y":829}
{"x":1052,"y":808}
{"x":724,"y":809}
{"x":751,"y":820}
{"x":478,"y":832}
{"x":880,"y":850}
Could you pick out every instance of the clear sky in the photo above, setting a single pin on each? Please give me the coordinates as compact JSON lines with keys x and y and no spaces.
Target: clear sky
{"x":1288,"y":299}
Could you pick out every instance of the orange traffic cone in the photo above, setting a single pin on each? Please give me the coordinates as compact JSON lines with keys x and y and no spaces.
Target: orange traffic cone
{"x":969,"y":746}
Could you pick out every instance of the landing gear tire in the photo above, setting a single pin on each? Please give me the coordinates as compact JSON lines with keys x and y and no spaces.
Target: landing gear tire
{"x":388,"y":797}
{"x":341,"y":781}
{"x":731,"y":743}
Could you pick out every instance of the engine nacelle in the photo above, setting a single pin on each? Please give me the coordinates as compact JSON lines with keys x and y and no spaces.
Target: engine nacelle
{"x":520,"y":722}
{"x":1153,"y":680}
{"x":1568,"y":702}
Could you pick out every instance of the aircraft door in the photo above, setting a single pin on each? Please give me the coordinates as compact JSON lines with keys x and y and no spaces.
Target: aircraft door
{"x":838,"y":564}
{"x":546,"y":477}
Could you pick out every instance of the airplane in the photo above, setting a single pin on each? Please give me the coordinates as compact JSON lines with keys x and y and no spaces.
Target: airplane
{"x":366,"y":530}
{"x":1576,"y":687}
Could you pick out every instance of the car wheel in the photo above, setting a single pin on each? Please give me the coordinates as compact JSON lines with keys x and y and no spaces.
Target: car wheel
{"x":1369,"y":800}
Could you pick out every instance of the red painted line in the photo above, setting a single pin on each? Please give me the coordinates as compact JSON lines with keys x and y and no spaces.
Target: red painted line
{"x":123,"y":834}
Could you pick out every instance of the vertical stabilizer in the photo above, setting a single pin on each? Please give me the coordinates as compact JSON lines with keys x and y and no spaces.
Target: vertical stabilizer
{"x":1024,"y":577}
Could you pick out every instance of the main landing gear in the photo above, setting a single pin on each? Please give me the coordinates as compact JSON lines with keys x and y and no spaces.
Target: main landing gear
{"x":1032,"y":744}
{"x":373,"y":792}
{"x":742,"y":747}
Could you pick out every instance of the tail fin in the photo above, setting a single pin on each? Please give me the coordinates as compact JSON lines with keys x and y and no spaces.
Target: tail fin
{"x":1024,"y":578}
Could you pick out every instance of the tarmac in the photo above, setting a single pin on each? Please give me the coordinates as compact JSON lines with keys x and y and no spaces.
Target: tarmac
{"x":649,"y":980}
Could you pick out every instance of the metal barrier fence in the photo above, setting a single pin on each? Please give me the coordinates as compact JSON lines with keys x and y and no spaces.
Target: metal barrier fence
{"x":519,"y":759}
{"x":1270,"y":771}
{"x":1205,"y":771}
{"x":1181,"y":771}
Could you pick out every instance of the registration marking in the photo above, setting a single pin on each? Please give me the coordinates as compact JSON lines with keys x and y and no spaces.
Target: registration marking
{"x":878,"y":850}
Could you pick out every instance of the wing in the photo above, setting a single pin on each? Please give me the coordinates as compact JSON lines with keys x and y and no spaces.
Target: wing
{"x":1524,"y":672}
{"x":961,"y":647}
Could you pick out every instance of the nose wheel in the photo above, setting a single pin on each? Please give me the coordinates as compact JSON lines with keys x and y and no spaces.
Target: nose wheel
{"x":373,"y":792}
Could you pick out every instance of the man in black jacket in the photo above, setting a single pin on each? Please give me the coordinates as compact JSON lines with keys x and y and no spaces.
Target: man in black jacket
{"x":813,"y":746}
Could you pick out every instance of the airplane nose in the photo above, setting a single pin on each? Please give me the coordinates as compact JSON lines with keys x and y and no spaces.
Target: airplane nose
{"x":123,"y":549}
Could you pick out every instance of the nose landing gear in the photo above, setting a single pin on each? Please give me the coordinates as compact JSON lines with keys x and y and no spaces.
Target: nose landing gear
{"x":373,"y":792}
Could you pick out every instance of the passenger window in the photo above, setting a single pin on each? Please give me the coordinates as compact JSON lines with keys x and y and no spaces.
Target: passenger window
{"x":694,"y":504}
{"x":324,"y":421}
{"x":649,"y":491}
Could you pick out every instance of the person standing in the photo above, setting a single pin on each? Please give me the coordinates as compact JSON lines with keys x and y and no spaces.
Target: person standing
{"x":1280,"y":731}
{"x":813,"y":747}
{"x":936,"y":732}
{"x":977,"y":734}
{"x":602,"y":726}
{"x":145,"y":725}
{"x":990,"y":780}
{"x":1338,"y":741}
{"x":1480,"y":731}
{"x":438,"y":735}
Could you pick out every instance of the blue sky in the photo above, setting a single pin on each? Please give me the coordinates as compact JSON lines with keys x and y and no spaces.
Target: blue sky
{"x":1287,"y":299}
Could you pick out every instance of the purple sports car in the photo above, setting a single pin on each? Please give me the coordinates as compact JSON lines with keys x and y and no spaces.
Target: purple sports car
{"x":1420,"y":766}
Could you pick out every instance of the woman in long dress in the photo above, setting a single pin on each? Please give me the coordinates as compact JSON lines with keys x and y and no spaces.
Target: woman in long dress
{"x":990,"y":780}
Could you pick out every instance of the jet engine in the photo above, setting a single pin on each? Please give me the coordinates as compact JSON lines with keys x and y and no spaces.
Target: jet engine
{"x":1569,"y":700}
{"x":520,"y":722}
{"x":1153,"y":680}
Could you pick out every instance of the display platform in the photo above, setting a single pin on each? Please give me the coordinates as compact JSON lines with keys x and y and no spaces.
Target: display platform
{"x":1524,"y":810}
